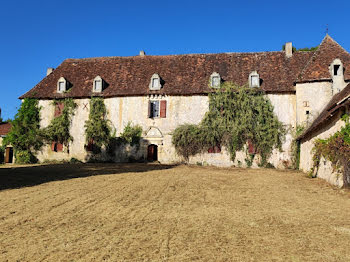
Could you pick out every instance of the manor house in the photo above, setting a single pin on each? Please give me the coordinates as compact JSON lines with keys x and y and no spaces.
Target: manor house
{"x":160,"y":93}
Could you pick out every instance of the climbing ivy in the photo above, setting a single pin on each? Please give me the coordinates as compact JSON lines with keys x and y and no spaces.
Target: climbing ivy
{"x":236,"y":116}
{"x":295,"y":148}
{"x":336,"y":149}
{"x":25,"y":134}
{"x":131,"y":134}
{"x":97,"y":127}
{"x":59,"y":128}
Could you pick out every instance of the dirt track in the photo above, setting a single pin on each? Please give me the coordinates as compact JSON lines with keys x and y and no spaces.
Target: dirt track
{"x":140,"y":212}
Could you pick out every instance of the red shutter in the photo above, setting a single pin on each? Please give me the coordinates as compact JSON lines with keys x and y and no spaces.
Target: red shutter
{"x":251,"y":147}
{"x":163,"y":109}
{"x":53,"y":146}
{"x":149,"y":109}
{"x":59,"y":147}
{"x":59,"y":109}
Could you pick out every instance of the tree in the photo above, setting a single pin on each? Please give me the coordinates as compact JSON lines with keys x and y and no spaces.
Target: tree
{"x":25,"y":135}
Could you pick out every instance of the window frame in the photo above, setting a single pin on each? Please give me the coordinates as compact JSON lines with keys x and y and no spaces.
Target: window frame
{"x":212,"y":77}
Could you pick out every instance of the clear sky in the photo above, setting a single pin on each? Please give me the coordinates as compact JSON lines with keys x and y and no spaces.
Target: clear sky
{"x":35,"y":35}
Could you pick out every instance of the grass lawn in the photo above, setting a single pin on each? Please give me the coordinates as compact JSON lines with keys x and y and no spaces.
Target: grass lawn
{"x":139,"y":212}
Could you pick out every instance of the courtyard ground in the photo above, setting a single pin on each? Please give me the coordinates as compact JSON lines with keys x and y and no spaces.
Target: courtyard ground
{"x":139,"y":212}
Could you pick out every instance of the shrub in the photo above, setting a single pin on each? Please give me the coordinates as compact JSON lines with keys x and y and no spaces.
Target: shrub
{"x":25,"y":157}
{"x":132,"y":134}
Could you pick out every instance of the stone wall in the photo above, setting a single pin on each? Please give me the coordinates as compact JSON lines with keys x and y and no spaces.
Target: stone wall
{"x":325,"y":170}
{"x":157,"y":131}
{"x":316,"y":96}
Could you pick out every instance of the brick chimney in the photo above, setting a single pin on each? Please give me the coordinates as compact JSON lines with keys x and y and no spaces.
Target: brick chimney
{"x":288,"y":48}
{"x":142,"y":53}
{"x":49,"y":71}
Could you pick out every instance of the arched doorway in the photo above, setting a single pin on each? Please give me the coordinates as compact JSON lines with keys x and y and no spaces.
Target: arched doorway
{"x":152,"y":153}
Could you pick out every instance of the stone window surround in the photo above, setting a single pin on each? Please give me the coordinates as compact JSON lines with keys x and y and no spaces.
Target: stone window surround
{"x":212,"y":76}
{"x":97,"y":78}
{"x":157,"y":78}
{"x":251,"y":75}
{"x":62,"y":79}
{"x":340,"y":71}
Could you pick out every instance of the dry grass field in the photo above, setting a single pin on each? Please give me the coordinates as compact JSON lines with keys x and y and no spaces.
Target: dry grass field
{"x":139,"y":212}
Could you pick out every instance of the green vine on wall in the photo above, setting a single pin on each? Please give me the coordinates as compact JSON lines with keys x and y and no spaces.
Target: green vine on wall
{"x":336,"y":149}
{"x":59,"y":128}
{"x":236,"y":116}
{"x":97,"y":127}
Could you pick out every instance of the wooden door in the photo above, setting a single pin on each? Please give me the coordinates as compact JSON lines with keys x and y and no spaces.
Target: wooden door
{"x":9,"y":155}
{"x":152,"y":154}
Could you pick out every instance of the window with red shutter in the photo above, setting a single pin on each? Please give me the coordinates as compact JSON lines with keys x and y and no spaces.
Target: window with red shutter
{"x":59,"y":109}
{"x":214,"y":149}
{"x":163,"y":109}
{"x":56,"y":147}
{"x":251,"y":147}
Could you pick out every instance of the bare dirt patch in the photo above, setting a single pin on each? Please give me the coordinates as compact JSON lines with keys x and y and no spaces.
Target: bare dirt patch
{"x":138,"y":212}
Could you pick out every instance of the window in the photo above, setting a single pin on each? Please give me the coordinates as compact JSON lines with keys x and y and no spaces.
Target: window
{"x":157,"y":109}
{"x":155,"y":83}
{"x":59,"y":109}
{"x":215,"y":80}
{"x":153,"y":109}
{"x":254,"y":79}
{"x":98,"y":84}
{"x":214,"y":149}
{"x":336,"y":69}
{"x":56,"y":147}
{"x":307,"y":112}
{"x":61,"y":85}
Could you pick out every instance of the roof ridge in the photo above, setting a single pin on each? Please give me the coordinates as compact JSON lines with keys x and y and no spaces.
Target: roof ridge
{"x":174,"y":55}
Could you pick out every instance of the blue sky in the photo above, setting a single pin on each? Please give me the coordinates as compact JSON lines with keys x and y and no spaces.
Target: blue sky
{"x":35,"y":35}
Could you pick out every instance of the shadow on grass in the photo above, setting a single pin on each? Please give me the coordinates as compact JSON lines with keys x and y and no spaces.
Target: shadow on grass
{"x":17,"y":177}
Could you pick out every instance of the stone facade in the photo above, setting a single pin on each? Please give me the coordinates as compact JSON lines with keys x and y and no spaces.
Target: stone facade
{"x":325,"y":170}
{"x":157,"y":131}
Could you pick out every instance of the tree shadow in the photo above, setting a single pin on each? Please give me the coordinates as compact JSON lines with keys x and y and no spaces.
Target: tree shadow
{"x":17,"y":177}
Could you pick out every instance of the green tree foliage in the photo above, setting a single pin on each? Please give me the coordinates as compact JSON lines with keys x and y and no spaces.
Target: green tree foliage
{"x":335,"y":149}
{"x":131,"y":134}
{"x":97,"y":127}
{"x":236,"y":115}
{"x":58,"y":130}
{"x":25,"y":134}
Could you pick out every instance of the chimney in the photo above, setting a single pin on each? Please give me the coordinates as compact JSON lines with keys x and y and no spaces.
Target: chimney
{"x":288,"y":48}
{"x":49,"y":71}
{"x":142,"y":53}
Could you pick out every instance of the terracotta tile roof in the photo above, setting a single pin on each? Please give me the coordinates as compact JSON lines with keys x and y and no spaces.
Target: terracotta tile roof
{"x":4,"y":128}
{"x":181,"y":74}
{"x":337,"y":102}
{"x":318,"y":66}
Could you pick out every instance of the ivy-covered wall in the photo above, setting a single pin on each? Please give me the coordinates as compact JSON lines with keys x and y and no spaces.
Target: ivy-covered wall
{"x":180,"y":110}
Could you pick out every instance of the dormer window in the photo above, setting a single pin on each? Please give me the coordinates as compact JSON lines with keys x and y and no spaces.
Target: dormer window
{"x":336,"y":68}
{"x":61,"y":85}
{"x":254,"y":79}
{"x":215,"y":80}
{"x":155,"y":82}
{"x":98,"y":84}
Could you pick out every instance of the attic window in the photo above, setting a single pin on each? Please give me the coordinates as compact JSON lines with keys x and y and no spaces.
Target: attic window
{"x":155,"y":82}
{"x":61,"y":85}
{"x":98,"y":84}
{"x":254,"y":79}
{"x":336,"y":69}
{"x":215,"y":80}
